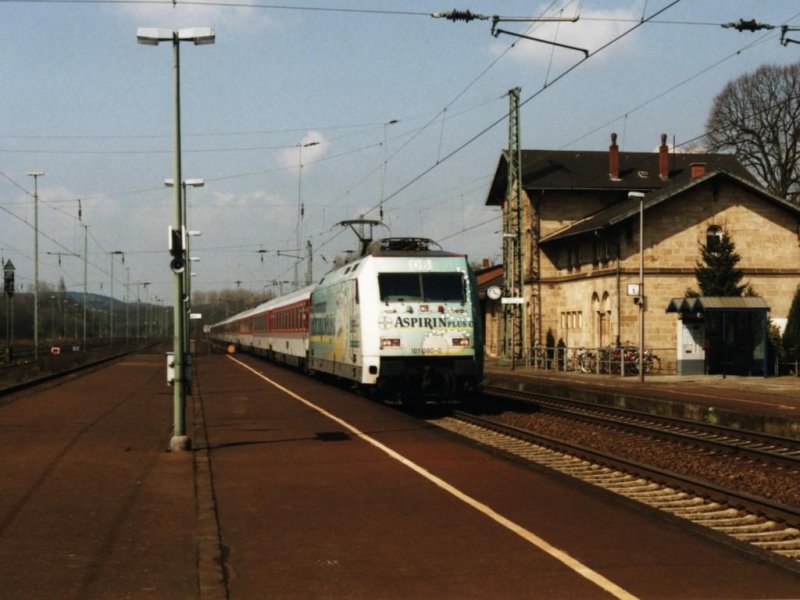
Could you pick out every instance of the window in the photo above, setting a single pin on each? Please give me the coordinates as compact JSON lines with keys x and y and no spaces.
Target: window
{"x":602,"y":251}
{"x":564,"y":258}
{"x":572,"y":319}
{"x":573,"y":261}
{"x":713,"y":237}
{"x":421,"y":287}
{"x":443,"y":287}
{"x":260,"y":323}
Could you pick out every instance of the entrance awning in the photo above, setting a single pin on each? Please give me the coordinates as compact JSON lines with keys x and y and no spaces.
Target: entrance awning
{"x":703,"y":304}
{"x":736,"y":331}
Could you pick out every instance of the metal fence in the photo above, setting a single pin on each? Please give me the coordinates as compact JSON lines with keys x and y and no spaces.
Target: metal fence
{"x":623,"y":361}
{"x":608,"y":360}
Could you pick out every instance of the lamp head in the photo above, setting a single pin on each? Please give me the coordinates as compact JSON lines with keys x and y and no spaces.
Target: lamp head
{"x":151,"y":36}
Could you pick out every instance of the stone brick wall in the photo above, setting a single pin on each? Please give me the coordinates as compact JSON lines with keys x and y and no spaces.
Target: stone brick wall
{"x":587,"y":305}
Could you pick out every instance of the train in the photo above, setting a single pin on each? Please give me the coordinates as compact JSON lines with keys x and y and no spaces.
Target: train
{"x":399,"y":319}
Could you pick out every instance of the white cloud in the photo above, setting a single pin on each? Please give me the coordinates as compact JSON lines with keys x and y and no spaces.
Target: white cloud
{"x":314,"y":147}
{"x":218,"y":16}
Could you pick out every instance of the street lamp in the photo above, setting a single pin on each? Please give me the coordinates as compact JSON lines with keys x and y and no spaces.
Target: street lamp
{"x":35,"y":175}
{"x":640,"y":196}
{"x":152,"y":36}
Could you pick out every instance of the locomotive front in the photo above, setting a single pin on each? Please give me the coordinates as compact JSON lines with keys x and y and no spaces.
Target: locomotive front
{"x":426,"y":338}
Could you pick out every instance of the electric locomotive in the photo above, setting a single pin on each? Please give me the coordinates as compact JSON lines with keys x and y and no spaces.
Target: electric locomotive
{"x":400,"y":319}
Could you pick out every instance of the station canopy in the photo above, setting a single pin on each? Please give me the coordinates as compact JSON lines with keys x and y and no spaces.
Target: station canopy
{"x":704,"y":304}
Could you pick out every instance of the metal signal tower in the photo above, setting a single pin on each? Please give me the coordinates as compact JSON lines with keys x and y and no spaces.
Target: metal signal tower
{"x":513,"y":340}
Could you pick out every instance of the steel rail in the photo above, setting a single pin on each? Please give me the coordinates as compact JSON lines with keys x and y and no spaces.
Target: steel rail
{"x":758,"y":526}
{"x":776,"y":450}
{"x":56,"y":375}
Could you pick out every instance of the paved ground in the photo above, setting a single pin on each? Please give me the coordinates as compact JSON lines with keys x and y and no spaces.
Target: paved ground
{"x":315,"y":495}
{"x":779,"y":396}
{"x":91,"y":504}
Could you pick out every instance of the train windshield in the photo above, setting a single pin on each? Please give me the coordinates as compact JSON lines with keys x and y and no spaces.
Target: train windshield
{"x":421,"y":287}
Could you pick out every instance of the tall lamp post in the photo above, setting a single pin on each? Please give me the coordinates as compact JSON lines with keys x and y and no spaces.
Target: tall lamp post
{"x":152,"y":36}
{"x":35,"y":175}
{"x":640,"y":197}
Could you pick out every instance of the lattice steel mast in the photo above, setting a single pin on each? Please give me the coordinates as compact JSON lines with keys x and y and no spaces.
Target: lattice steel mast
{"x":513,"y":340}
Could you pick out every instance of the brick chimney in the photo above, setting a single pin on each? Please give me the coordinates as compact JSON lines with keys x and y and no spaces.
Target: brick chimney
{"x":697,"y":170}
{"x":663,"y":158}
{"x":613,"y":159}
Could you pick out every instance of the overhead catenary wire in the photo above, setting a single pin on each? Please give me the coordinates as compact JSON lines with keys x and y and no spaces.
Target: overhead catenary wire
{"x":654,"y":99}
{"x":496,"y":122}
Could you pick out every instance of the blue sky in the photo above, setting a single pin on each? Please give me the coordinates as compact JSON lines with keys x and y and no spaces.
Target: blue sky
{"x":92,"y":109}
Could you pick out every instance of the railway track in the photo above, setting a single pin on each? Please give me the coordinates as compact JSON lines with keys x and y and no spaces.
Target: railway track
{"x":780,"y":451}
{"x":7,"y":389}
{"x":757,"y":526}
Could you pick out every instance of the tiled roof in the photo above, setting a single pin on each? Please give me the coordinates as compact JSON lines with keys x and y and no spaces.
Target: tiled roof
{"x":544,"y":170}
{"x":625,"y":209}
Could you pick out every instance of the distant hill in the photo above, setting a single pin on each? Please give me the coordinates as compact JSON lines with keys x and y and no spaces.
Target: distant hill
{"x":99,"y":300}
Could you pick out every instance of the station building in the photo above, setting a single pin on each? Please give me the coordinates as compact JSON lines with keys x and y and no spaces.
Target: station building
{"x":579,"y":242}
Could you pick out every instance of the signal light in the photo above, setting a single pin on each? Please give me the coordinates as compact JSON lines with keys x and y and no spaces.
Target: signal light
{"x":177,"y":243}
{"x":177,"y":265}
{"x":461,"y":342}
{"x":390,"y":343}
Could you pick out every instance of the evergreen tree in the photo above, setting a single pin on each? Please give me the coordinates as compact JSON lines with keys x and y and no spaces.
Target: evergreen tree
{"x":791,"y":335}
{"x":717,"y":274}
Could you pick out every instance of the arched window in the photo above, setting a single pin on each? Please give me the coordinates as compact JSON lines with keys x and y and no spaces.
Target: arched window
{"x":606,"y":304}
{"x":713,"y":237}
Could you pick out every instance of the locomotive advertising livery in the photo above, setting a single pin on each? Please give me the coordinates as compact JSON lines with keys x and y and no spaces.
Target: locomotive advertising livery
{"x":401,"y":319}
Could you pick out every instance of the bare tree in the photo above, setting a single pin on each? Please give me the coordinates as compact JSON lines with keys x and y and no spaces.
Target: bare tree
{"x":758,"y":117}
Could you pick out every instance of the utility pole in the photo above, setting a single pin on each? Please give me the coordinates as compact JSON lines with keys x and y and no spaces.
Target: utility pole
{"x":60,"y":254}
{"x":85,"y":282}
{"x":35,"y":175}
{"x":127,"y":306}
{"x":309,"y":266}
{"x":513,"y":335}
{"x":111,"y":307}
{"x":8,"y":285}
{"x":301,"y":210}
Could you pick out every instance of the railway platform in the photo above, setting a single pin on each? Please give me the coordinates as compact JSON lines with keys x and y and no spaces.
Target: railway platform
{"x":764,"y":404}
{"x":295,"y":489}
